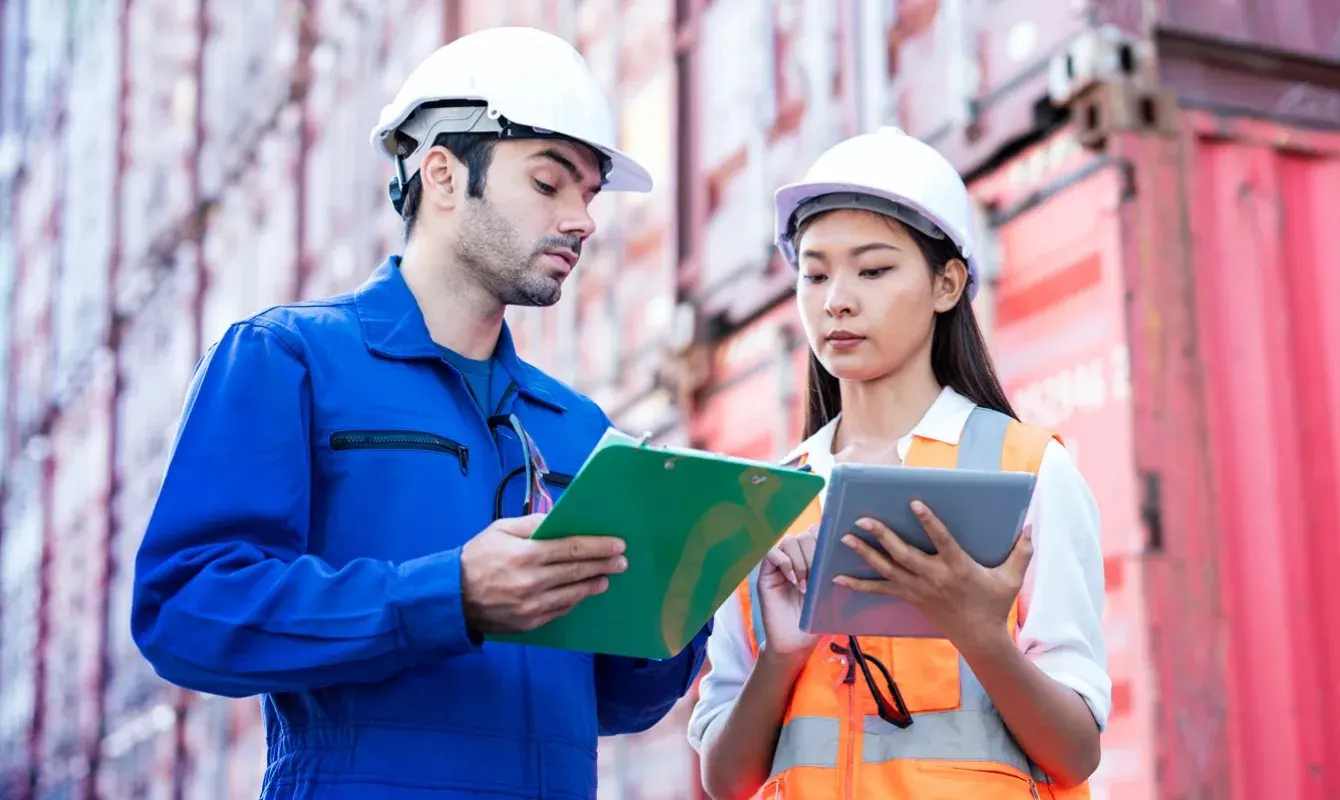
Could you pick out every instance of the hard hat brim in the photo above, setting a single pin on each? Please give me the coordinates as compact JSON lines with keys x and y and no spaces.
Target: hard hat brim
{"x":625,"y":175}
{"x":789,"y":198}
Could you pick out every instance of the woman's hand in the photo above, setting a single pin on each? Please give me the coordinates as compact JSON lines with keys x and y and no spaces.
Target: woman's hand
{"x":968,"y":602}
{"x":782,"y":581}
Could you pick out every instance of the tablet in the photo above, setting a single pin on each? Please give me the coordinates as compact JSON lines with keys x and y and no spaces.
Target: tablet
{"x":983,"y":511}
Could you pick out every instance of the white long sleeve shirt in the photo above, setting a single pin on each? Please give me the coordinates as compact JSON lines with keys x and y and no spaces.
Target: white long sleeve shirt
{"x":1060,"y":603}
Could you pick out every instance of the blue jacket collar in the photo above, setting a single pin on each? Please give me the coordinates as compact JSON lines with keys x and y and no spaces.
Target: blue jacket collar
{"x":393,"y":327}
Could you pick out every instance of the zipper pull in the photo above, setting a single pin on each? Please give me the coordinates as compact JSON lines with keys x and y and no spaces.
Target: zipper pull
{"x":1033,"y":787}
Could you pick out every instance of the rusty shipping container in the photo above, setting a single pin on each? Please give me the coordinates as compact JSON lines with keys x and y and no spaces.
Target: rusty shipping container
{"x":1176,"y":332}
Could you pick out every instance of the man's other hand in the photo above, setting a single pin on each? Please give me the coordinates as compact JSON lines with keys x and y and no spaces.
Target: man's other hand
{"x":511,"y":582}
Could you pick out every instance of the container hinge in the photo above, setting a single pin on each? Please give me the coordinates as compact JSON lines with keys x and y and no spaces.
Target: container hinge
{"x":1105,"y":109}
{"x":1151,"y":510}
{"x":1108,"y":80}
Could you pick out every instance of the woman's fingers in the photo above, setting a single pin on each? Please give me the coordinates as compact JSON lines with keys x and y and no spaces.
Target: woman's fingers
{"x":899,"y":552}
{"x":880,"y":562}
{"x":800,"y":565}
{"x":807,"y":544}
{"x":781,"y":560}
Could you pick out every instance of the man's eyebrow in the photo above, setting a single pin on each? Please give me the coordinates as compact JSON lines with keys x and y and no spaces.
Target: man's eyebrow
{"x":574,"y":171}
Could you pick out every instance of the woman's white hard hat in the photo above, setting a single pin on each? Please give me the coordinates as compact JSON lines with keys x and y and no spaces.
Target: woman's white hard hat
{"x":510,"y":81}
{"x":891,"y":173}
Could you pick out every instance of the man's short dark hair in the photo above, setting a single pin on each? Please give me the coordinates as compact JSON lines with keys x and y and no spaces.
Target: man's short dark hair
{"x":475,"y":150}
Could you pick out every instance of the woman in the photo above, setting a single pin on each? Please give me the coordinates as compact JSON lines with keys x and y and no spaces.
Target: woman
{"x":1012,"y":701}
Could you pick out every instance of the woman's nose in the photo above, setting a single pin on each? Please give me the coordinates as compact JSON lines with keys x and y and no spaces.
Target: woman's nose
{"x":841,"y":300}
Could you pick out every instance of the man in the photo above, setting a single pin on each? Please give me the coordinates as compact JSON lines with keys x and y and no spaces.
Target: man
{"x":347,"y":509}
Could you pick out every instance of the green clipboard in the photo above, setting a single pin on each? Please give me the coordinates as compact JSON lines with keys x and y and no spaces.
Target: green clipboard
{"x":695,"y":524}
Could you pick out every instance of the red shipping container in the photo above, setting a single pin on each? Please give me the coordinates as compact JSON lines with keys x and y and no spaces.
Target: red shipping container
{"x":750,"y":409}
{"x":1265,"y":199}
{"x":1255,"y":57}
{"x":249,"y":250}
{"x":75,"y":575}
{"x":967,"y":76}
{"x":1118,"y":323}
{"x":767,"y":104}
{"x":81,"y":313}
{"x":21,"y":542}
{"x":250,"y":57}
{"x":1060,"y":348}
{"x":159,"y":142}
{"x":140,"y":755}
{"x":1059,"y":327}
{"x":1306,"y":28}
{"x":158,"y":355}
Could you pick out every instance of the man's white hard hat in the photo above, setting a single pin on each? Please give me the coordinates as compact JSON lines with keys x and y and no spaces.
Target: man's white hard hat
{"x":891,"y":173}
{"x":510,"y":81}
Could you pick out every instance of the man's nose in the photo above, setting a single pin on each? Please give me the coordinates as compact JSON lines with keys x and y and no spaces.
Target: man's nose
{"x":577,"y":221}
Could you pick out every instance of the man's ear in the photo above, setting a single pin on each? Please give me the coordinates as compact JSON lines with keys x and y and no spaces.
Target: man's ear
{"x":950,"y":284}
{"x":437,"y":172}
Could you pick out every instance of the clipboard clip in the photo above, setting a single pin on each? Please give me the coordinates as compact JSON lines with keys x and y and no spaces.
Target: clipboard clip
{"x":644,"y":439}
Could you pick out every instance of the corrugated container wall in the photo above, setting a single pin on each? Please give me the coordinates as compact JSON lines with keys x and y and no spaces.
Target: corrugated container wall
{"x":1156,"y":289}
{"x":82,"y":310}
{"x":1264,"y":201}
{"x":160,"y":138}
{"x":157,"y":353}
{"x":25,"y":515}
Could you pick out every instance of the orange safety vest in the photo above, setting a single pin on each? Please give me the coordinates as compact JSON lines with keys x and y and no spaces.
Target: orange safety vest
{"x":833,"y":744}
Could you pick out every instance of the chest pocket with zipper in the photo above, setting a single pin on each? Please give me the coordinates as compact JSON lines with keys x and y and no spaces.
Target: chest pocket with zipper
{"x":401,"y":440}
{"x":394,"y":493}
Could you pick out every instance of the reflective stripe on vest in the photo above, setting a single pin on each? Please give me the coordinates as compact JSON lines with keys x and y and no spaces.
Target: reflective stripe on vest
{"x":970,"y":732}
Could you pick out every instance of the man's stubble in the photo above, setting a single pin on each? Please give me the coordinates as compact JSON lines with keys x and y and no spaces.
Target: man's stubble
{"x":491,"y":250}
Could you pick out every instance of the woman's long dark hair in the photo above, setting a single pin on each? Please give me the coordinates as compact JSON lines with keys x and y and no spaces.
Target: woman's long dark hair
{"x":959,"y":356}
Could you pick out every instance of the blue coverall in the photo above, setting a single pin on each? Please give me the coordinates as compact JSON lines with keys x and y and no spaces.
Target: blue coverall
{"x":305,"y":546}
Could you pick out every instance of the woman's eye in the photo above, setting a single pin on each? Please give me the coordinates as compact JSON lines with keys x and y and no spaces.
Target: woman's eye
{"x":813,"y":278}
{"x":874,"y":272}
{"x":544,"y":187}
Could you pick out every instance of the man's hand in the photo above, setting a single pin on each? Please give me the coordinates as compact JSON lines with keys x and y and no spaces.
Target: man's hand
{"x":512,"y":583}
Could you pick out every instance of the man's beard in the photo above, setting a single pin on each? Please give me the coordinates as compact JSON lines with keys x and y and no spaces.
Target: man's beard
{"x":490,"y":248}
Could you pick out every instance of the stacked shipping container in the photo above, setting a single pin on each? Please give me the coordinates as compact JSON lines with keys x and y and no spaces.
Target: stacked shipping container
{"x":240,"y":177}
